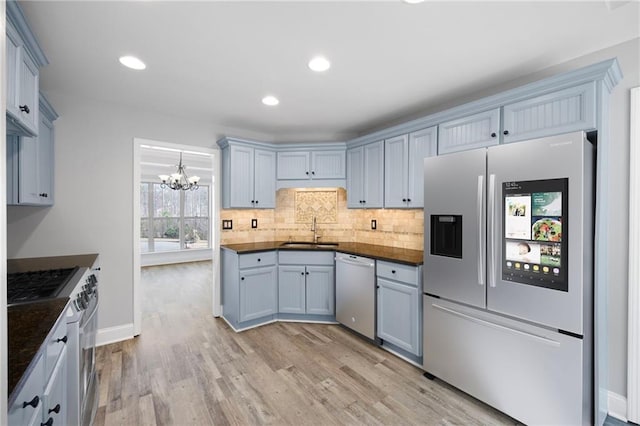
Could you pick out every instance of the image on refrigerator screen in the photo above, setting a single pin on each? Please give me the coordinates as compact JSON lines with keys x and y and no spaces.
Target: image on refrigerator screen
{"x":523,"y":252}
{"x":535,"y":233}
{"x":547,"y":228}
{"x":518,"y":217}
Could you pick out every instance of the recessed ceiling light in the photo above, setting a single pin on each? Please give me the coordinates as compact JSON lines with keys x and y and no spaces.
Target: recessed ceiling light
{"x":270,"y":100}
{"x":413,"y":1}
{"x":132,"y":62}
{"x":319,"y":64}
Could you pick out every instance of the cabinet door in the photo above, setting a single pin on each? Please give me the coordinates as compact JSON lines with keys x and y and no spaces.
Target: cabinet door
{"x":398,"y":319}
{"x":320,"y":290}
{"x":241,"y":176}
{"x":265,"y":179}
{"x":563,"y":111}
{"x":396,"y":157}
{"x":13,"y":62}
{"x":28,"y":173}
{"x":355,"y":164}
{"x":327,"y":164}
{"x":373,"y":176}
{"x":13,"y":165}
{"x":45,"y":162}
{"x":291,"y":289}
{"x":293,"y":165}
{"x":27,"y":406}
{"x":474,"y":131}
{"x":55,"y":395}
{"x":422,"y":144}
{"x":258,"y":293}
{"x":28,"y":101}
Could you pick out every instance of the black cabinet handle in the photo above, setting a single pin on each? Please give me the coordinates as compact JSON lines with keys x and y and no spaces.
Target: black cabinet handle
{"x":256,"y":201}
{"x":313,"y":173}
{"x":408,"y":200}
{"x":307,"y":173}
{"x":253,"y":201}
{"x":506,"y":132}
{"x":25,"y":108}
{"x":259,"y":259}
{"x":493,"y":135}
{"x":242,"y":279}
{"x":49,"y":422}
{"x":34,"y":402}
{"x":404,"y":200}
{"x":306,"y":273}
{"x":393,"y":271}
{"x":301,"y":273}
{"x":44,"y":194}
{"x":55,"y":409}
{"x":63,"y":340}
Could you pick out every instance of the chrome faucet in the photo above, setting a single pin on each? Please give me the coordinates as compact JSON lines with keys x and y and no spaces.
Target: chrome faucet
{"x":314,"y":228}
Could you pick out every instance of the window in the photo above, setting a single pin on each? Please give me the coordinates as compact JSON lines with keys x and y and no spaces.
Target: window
{"x":173,"y":220}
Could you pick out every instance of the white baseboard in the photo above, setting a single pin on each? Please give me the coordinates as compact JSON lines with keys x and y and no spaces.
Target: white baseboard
{"x":110,"y":335}
{"x":617,"y":406}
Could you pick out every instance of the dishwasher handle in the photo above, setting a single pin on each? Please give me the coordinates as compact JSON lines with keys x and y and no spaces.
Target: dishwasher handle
{"x":356,"y":262}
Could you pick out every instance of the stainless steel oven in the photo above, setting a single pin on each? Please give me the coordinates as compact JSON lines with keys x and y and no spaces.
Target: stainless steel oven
{"x":82,"y":323}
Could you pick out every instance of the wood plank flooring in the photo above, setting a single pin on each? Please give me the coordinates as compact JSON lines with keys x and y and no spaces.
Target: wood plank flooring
{"x":188,"y":368}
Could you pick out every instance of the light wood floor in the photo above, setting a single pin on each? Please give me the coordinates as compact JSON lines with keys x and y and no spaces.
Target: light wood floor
{"x":188,"y":368}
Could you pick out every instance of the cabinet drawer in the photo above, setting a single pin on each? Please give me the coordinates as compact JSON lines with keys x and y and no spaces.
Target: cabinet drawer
{"x":33,"y":387}
{"x":306,"y":257}
{"x":57,"y":341}
{"x":399,"y":272}
{"x":252,"y":260}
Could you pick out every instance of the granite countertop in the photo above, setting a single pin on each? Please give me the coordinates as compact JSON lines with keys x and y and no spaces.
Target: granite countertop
{"x":52,"y":262}
{"x":29,"y":326}
{"x":392,"y":254}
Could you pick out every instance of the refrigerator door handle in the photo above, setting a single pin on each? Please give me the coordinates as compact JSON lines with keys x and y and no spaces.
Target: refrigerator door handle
{"x":492,"y":230}
{"x":481,"y":242}
{"x":496,"y":326}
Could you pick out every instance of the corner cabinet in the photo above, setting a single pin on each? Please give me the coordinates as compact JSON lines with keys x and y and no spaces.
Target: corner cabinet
{"x":248,"y":175}
{"x":306,"y":283}
{"x":314,"y":164}
{"x":365,"y":176}
{"x":404,"y":167}
{"x":399,"y":312}
{"x":30,"y":163}
{"x":24,"y":59}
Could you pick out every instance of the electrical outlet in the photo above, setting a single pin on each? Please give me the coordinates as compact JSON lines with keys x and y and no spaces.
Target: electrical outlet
{"x":374,"y":224}
{"x":254,"y":223}
{"x":227,"y":224}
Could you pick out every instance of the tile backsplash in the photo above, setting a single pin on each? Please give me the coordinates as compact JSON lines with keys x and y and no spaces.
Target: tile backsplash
{"x":295,"y":207}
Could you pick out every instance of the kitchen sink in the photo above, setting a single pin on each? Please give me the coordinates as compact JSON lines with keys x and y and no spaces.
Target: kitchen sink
{"x":306,"y":244}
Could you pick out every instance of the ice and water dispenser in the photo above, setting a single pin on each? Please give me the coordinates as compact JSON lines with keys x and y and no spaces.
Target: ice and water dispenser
{"x":446,"y":235}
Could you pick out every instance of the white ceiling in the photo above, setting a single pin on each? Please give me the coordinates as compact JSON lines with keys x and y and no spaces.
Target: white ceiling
{"x":214,"y":61}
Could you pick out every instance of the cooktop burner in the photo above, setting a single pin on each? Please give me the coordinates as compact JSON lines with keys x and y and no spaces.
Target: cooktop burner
{"x":36,"y":285}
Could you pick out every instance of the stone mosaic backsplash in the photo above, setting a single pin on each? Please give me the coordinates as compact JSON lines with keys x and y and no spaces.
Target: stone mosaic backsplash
{"x":295,"y":207}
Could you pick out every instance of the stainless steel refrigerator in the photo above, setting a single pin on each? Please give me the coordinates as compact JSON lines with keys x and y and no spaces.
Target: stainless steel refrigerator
{"x":508,"y":276}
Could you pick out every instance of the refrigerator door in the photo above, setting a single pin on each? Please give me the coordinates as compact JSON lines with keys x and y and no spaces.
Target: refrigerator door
{"x":455,"y":232}
{"x":540,"y":223}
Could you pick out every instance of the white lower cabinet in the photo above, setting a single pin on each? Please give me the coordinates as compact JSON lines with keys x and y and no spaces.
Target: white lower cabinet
{"x":54,"y":398}
{"x":26,"y":409}
{"x":258,"y":293}
{"x":399,"y":309}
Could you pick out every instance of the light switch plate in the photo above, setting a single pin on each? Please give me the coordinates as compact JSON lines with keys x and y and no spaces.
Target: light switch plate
{"x":227,"y":224}
{"x":374,"y":224}
{"x":254,"y":223}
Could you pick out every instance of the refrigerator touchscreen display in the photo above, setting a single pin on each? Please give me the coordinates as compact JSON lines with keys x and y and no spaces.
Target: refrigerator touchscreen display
{"x":535,"y":233}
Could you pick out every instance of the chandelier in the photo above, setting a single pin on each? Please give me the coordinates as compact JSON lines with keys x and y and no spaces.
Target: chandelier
{"x":179,"y":179}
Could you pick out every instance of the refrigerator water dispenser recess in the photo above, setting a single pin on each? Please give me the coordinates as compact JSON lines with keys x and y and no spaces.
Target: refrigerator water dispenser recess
{"x":446,"y":235}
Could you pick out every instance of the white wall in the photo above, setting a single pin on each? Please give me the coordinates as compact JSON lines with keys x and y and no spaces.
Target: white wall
{"x":93,"y":192}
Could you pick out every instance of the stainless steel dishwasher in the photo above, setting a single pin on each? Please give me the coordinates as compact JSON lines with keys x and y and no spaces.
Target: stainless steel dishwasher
{"x":355,"y":293}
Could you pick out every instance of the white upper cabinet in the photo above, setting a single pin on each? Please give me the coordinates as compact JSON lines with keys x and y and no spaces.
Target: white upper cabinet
{"x":473,"y":131}
{"x":404,"y":167}
{"x":301,"y":165}
{"x":248,"y":177}
{"x":365,"y":176}
{"x":559,"y":112}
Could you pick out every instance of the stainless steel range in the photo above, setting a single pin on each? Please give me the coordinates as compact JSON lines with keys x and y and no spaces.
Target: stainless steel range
{"x":80,"y":284}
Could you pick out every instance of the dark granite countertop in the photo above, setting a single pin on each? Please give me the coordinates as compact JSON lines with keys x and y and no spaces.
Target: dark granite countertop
{"x":29,"y":326}
{"x":392,"y":254}
{"x":52,"y":262}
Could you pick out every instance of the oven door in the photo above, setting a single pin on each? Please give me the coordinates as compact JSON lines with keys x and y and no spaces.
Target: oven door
{"x":87,"y":330}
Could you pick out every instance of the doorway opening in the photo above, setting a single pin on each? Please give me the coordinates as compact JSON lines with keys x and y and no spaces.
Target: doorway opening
{"x":173,"y":226}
